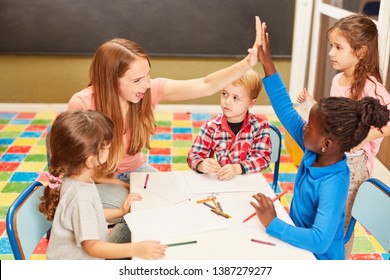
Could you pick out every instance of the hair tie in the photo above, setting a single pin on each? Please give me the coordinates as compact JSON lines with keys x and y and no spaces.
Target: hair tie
{"x":54,"y":181}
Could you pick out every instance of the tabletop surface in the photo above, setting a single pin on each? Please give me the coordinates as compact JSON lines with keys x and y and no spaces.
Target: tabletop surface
{"x":170,"y":212}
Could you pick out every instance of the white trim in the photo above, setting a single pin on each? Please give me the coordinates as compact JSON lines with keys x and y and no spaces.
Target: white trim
{"x":299,"y":61}
{"x":314,"y":47}
{"x":333,"y":12}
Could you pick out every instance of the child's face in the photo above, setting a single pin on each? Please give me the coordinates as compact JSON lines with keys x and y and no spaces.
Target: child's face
{"x":235,"y":102}
{"x":342,"y":56}
{"x":135,"y":82}
{"x":313,"y":133}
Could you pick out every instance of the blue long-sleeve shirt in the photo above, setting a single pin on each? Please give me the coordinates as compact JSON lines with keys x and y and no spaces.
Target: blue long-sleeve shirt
{"x":320,"y":193}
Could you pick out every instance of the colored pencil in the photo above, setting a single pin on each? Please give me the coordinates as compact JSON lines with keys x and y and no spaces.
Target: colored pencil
{"x":219,"y":206}
{"x":220,"y":213}
{"x":182,"y":243}
{"x":208,"y":205}
{"x":263,"y":242}
{"x":204,"y":200}
{"x":146,"y":180}
{"x":273,"y":200}
{"x":215,"y":203}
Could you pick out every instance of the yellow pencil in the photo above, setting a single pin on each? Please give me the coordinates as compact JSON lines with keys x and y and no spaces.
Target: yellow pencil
{"x":220,"y":213}
{"x":204,"y":200}
{"x":215,"y":203}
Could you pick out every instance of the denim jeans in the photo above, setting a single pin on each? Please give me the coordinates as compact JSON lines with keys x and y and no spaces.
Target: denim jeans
{"x":125,"y":176}
{"x":112,"y":197}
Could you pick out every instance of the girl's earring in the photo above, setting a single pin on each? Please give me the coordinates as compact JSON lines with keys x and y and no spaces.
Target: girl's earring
{"x":323,"y":149}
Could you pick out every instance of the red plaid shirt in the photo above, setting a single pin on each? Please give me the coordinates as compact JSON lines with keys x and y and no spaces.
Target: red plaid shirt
{"x":251,"y":147}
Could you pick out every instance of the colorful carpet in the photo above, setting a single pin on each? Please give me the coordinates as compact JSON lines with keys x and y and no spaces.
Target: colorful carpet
{"x":23,"y":156}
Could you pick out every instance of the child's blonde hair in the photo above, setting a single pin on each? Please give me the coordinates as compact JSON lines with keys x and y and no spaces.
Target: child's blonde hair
{"x":251,"y":81}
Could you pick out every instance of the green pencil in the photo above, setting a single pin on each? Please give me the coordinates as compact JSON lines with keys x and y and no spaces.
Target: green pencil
{"x":182,"y":243}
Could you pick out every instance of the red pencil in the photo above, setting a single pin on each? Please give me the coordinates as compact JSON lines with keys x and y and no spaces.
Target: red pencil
{"x":273,"y":200}
{"x":146,"y":181}
{"x":263,"y":242}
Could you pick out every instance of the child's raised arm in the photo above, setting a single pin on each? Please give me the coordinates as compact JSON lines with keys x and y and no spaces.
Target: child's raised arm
{"x":264,"y":53}
{"x":277,"y":91}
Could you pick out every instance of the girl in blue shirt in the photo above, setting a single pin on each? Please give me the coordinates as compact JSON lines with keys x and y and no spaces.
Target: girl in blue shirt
{"x":335,"y":126}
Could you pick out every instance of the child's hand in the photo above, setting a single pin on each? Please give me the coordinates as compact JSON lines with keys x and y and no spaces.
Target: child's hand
{"x":263,"y":52}
{"x":129,"y":200}
{"x":265,"y":209}
{"x":252,"y":56}
{"x":149,"y":250}
{"x":228,"y":171}
{"x":302,"y":96}
{"x":209,"y":165}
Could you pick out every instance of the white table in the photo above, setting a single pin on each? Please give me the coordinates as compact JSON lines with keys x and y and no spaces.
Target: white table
{"x":230,"y":240}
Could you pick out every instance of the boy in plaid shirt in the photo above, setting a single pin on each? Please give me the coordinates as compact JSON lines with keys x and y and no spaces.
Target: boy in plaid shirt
{"x":234,"y":142}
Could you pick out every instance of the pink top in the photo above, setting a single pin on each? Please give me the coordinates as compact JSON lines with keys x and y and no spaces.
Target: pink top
{"x":85,"y":100}
{"x":371,"y":148}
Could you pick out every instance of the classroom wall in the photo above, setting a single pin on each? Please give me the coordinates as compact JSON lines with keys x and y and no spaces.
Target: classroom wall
{"x":54,"y":79}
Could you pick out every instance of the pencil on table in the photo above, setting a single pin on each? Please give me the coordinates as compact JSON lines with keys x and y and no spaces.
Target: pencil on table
{"x":219,"y":206}
{"x":146,"y":181}
{"x":215,"y":202}
{"x":273,"y":200}
{"x":220,"y":213}
{"x":278,"y":196}
{"x":208,"y":205}
{"x":263,"y":242}
{"x":204,"y":200}
{"x":182,"y":243}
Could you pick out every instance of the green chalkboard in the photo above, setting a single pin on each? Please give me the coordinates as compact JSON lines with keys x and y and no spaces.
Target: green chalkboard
{"x":163,"y":27}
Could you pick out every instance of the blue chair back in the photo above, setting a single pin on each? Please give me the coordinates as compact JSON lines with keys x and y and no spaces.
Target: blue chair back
{"x":48,"y":146}
{"x":25,"y":224}
{"x":372,"y":210}
{"x":276,"y":139}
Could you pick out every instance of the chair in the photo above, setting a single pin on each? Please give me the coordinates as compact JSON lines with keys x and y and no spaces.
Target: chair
{"x":25,"y":224}
{"x":276,"y":139}
{"x":48,"y":146}
{"x":372,"y":210}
